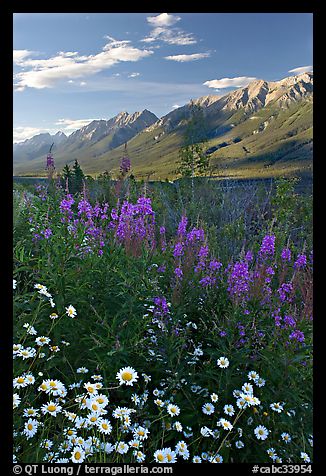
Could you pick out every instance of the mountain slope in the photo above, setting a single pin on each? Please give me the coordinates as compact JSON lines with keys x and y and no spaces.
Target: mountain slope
{"x":263,"y":128}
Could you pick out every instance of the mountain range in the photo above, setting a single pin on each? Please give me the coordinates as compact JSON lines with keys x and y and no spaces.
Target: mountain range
{"x":263,"y":129}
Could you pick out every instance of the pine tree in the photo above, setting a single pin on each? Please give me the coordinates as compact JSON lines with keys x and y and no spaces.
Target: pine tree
{"x":193,"y":159}
{"x":78,"y":178}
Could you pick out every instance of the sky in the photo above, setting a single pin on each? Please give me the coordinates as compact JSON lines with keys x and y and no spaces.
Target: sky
{"x":72,"y":68}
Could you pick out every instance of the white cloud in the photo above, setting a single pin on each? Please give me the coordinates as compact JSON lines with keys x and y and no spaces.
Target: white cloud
{"x":133,"y":75}
{"x":72,"y":124}
{"x":185,"y":58}
{"x":164,"y":19}
{"x":22,"y":133}
{"x":222,"y":83}
{"x":20,"y":55}
{"x":301,"y":69}
{"x":82,"y":83}
{"x":172,"y":36}
{"x":46,"y":73}
{"x":175,"y":106}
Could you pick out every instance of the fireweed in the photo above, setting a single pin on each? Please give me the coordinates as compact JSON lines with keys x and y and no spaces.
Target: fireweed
{"x":135,"y":346}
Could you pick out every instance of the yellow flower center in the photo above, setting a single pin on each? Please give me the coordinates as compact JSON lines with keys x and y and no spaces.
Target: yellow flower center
{"x":126,"y":376}
{"x":94,"y":406}
{"x":160,"y":457}
{"x":52,"y":408}
{"x":93,"y":419}
{"x":169,"y":457}
{"x":90,"y":389}
{"x":30,"y":412}
{"x":100,"y":400}
{"x":105,"y":426}
{"x":77,"y":455}
{"x":20,"y":380}
{"x":30,"y":426}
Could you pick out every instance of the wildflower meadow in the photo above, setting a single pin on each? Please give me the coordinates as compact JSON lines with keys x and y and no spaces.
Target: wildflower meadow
{"x":162,"y":323}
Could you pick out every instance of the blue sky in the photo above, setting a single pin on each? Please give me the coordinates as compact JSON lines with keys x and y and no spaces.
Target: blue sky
{"x":71,"y":68}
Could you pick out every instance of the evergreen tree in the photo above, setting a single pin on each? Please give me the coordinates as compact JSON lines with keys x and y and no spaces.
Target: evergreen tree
{"x":78,"y":178}
{"x":193,"y":159}
{"x":66,"y":178}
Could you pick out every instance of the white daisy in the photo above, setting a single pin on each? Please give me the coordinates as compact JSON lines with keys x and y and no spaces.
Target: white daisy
{"x":229,"y":410}
{"x":71,"y":311}
{"x":208,"y":408}
{"x":261,"y":432}
{"x":30,"y":428}
{"x":78,"y":455}
{"x":127,"y":376}
{"x":173,"y":410}
{"x":223,"y":362}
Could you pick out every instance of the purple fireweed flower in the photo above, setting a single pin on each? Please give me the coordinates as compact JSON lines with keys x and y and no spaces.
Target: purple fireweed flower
{"x":50,"y":162}
{"x":215,"y":265}
{"x":182,"y":226}
{"x":199,"y":267}
{"x":47,"y":233}
{"x":178,"y":250}
{"x":195,"y":235}
{"x":239,"y":280}
{"x":222,"y":333}
{"x":161,"y":269}
{"x":268,"y":246}
{"x":207,"y":281}
{"x":125,"y":165}
{"x":249,"y":256}
{"x":178,"y":272}
{"x":203,"y":252}
{"x":286,"y":254}
{"x":300,"y":262}
{"x":162,"y":230}
{"x":289,"y":321}
{"x":285,"y":291}
{"x":297,"y":335}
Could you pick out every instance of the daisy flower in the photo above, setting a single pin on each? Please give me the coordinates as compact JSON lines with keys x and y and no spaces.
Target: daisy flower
{"x":261,"y":432}
{"x":225,"y":424}
{"x":208,"y":408}
{"x":286,"y":437}
{"x":214,"y":397}
{"x":205,"y":431}
{"x":216,"y":459}
{"x":30,"y":428}
{"x":78,"y":455}
{"x":71,"y":311}
{"x":42,"y":340}
{"x":305,"y":457}
{"x":16,"y":400}
{"x":20,"y":382}
{"x":141,"y":433}
{"x":30,"y":412}
{"x":91,"y":388}
{"x":159,"y":456}
{"x":51,"y":408}
{"x":127,"y":376}
{"x":247,"y":388}
{"x":122,"y":447}
{"x":177,"y":426}
{"x":170,"y":456}
{"x":82,"y":370}
{"x":223,"y":362}
{"x":229,"y":410}
{"x":173,"y":410}
{"x":253,"y":375}
{"x":196,"y":459}
{"x":277,"y":407}
{"x":140,"y":456}
{"x":104,"y":426}
{"x":239,"y":444}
